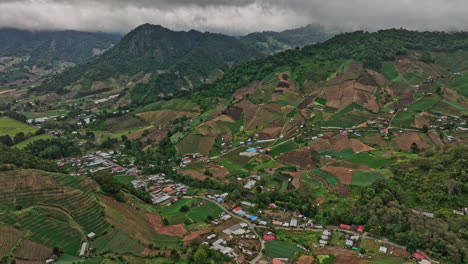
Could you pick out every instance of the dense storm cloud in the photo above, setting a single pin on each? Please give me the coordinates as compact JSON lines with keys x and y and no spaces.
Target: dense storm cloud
{"x":233,"y":16}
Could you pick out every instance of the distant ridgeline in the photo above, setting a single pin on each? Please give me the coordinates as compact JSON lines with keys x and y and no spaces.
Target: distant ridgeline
{"x":317,"y":62}
{"x":177,"y":60}
{"x":44,"y":47}
{"x":191,"y":62}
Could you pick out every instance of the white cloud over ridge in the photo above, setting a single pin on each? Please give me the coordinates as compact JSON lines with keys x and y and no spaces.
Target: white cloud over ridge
{"x":234,"y":16}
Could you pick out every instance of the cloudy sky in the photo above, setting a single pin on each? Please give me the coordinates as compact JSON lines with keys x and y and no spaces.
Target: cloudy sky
{"x":233,"y":16}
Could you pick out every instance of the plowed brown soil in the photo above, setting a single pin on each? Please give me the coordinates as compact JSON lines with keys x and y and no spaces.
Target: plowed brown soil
{"x":405,"y":139}
{"x":301,"y":157}
{"x":170,"y":230}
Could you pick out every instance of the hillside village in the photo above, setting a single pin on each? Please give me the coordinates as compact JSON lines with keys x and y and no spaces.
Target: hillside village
{"x":321,"y":154}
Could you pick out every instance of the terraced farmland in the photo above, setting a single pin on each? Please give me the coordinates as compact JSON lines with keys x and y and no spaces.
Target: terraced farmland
{"x":45,"y":228}
{"x":51,"y":205}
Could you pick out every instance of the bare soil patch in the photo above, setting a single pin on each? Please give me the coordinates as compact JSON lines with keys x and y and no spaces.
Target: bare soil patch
{"x":9,"y":236}
{"x":170,"y":230}
{"x":422,"y":119}
{"x":305,"y":259}
{"x":234,"y":112}
{"x":374,"y":140}
{"x":244,"y":91}
{"x":340,"y":259}
{"x":217,"y":171}
{"x":338,"y":143}
{"x":436,"y":139}
{"x":7,"y":91}
{"x":127,"y":219}
{"x":30,"y":250}
{"x":194,"y":174}
{"x":405,"y":139}
{"x":301,"y":157}
{"x":342,"y":174}
{"x":379,"y":78}
{"x":296,"y":178}
{"x":225,"y":118}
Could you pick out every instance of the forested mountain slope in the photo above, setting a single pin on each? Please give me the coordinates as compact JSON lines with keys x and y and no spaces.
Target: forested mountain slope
{"x":175,"y":59}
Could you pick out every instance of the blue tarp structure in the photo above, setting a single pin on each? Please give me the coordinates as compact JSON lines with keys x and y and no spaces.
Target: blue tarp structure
{"x":253,"y":218}
{"x":252,"y":149}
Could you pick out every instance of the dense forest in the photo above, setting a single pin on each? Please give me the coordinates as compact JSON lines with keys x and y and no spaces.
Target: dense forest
{"x":43,"y":47}
{"x":11,"y":158}
{"x":152,"y":49}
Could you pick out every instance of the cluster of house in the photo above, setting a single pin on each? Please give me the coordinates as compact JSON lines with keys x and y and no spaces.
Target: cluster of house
{"x":380,"y":122}
{"x":447,"y":122}
{"x":326,"y":235}
{"x":254,"y":151}
{"x":106,"y":99}
{"x":191,"y":157}
{"x":462,"y":211}
{"x":162,"y":190}
{"x":351,"y":241}
{"x":39,"y":120}
{"x":426,"y":214}
{"x":233,"y":234}
{"x":346,"y":132}
{"x":97,"y":161}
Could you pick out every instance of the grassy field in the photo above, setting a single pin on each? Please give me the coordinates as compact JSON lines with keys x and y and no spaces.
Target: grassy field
{"x":330,"y":179}
{"x":288,"y":99}
{"x":368,"y":159}
{"x":174,"y":104}
{"x":389,"y":71}
{"x":365,"y":178}
{"x":345,"y":153}
{"x":125,"y":179}
{"x":460,"y":84}
{"x":303,"y":238}
{"x":283,"y":148}
{"x":11,"y":127}
{"x":196,"y":214}
{"x":280,"y":249}
{"x":352,"y":114}
{"x":117,"y":242}
{"x":233,"y":168}
{"x":424,"y":104}
{"x":404,"y":119}
{"x":24,"y":143}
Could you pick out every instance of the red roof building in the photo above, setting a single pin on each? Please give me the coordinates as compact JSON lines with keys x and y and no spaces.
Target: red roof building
{"x":240,"y":260}
{"x":268,"y":237}
{"x":419,"y":255}
{"x":277,"y":261}
{"x":345,"y":226}
{"x":360,"y":228}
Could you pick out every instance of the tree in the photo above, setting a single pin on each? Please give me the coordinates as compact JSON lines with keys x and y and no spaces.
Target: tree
{"x":425,"y":128}
{"x":58,"y":251}
{"x":19,"y":137}
{"x":6,"y":140}
{"x":184,"y":209}
{"x":165,"y":221}
{"x":200,"y":256}
{"x":414,"y":147}
{"x":426,"y":57}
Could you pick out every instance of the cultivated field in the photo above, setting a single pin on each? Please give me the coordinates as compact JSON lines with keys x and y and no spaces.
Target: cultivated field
{"x":11,"y":127}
